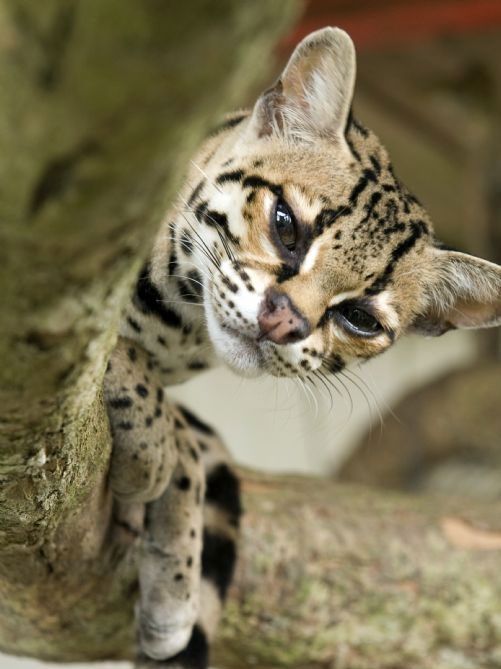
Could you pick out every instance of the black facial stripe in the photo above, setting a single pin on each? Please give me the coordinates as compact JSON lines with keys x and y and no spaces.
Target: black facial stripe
{"x":149,"y":300}
{"x":216,"y":219}
{"x":186,"y":242}
{"x":361,"y":185}
{"x":327,"y":217}
{"x":228,"y":124}
{"x":230,"y":177}
{"x":195,"y":422}
{"x":200,"y":211}
{"x":223,"y":490}
{"x":195,"y":281}
{"x":353,"y":150}
{"x":219,"y":556}
{"x":369,"y":207}
{"x":254,"y":181}
{"x":418,"y":228}
{"x":251,"y":197}
{"x":195,"y":193}
{"x":376,"y":164}
{"x":186,"y":291}
{"x":172,"y":267}
{"x":286,"y":272}
{"x":358,"y":126}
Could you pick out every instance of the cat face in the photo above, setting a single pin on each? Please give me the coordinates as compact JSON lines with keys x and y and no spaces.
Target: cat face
{"x":311,"y":252}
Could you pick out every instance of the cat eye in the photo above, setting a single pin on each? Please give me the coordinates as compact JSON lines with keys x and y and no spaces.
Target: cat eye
{"x":358,"y":321}
{"x":285,"y":225}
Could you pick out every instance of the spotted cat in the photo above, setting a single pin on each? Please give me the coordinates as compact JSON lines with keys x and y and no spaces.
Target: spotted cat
{"x":293,"y":249}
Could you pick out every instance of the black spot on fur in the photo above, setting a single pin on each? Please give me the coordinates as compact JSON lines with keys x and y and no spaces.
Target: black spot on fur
{"x":184,"y":483}
{"x":195,"y":422}
{"x":150,"y":301}
{"x":134,"y":324}
{"x":125,"y":425}
{"x":132,"y":354}
{"x":335,"y":364}
{"x":197,"y":365}
{"x":223,"y":490}
{"x":142,"y":390}
{"x":160,"y":395}
{"x":196,"y":653}
{"x":121,"y":403}
{"x":219,"y":555}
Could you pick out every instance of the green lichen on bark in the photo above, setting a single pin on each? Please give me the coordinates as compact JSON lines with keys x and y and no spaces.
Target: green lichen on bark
{"x":355,"y":579}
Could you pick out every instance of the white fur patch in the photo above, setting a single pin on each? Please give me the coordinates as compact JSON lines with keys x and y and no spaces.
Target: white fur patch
{"x":311,"y":257}
{"x":382,"y":302}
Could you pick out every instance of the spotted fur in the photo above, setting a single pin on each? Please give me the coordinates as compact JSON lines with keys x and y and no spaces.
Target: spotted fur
{"x":230,"y":280}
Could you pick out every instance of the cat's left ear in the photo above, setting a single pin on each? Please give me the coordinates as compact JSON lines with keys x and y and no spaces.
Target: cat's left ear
{"x":465,"y":293}
{"x":313,"y":95}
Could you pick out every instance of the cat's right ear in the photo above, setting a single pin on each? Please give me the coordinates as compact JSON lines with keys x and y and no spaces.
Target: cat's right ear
{"x":313,"y":96}
{"x":465,"y":293}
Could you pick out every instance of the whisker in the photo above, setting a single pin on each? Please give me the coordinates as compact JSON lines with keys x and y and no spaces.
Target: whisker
{"x":319,"y":377}
{"x":204,"y":173}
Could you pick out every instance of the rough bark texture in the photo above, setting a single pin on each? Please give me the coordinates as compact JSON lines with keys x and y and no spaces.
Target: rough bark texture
{"x":101,"y":104}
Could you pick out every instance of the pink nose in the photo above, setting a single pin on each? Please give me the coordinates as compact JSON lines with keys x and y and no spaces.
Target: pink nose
{"x":280,"y":321}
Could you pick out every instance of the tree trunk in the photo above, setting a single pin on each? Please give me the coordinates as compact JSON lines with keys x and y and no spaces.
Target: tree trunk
{"x":102,"y":103}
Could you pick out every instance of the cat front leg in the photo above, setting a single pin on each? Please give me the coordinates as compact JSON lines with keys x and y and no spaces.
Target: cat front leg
{"x":144,"y":453}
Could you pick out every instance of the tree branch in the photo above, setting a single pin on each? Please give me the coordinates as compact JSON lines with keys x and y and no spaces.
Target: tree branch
{"x":102,"y":104}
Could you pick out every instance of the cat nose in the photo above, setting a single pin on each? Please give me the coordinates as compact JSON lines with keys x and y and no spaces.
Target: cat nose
{"x":280,"y":321}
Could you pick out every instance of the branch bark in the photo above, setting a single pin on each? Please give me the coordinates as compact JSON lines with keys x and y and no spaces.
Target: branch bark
{"x":102,"y":104}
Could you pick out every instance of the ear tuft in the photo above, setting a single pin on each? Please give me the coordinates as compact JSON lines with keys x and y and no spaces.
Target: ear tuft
{"x":313,"y":96}
{"x":467,"y":294}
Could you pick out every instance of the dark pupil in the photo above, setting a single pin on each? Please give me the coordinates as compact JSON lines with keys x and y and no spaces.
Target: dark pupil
{"x":361,"y":319}
{"x":285,"y":225}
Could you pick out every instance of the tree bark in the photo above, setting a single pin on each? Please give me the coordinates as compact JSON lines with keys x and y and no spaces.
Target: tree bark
{"x":102,"y":103}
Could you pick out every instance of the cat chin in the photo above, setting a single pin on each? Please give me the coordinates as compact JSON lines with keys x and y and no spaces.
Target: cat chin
{"x":240,"y":353}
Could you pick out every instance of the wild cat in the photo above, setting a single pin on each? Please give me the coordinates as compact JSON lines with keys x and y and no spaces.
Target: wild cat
{"x":292,"y":250}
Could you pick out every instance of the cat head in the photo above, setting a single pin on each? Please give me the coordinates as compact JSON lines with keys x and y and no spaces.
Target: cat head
{"x":310,"y":250}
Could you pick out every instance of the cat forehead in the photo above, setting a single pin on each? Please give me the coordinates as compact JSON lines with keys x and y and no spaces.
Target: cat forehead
{"x":329,"y":189}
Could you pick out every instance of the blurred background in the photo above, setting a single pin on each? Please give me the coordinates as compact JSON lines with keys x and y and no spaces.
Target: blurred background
{"x":425,"y":416}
